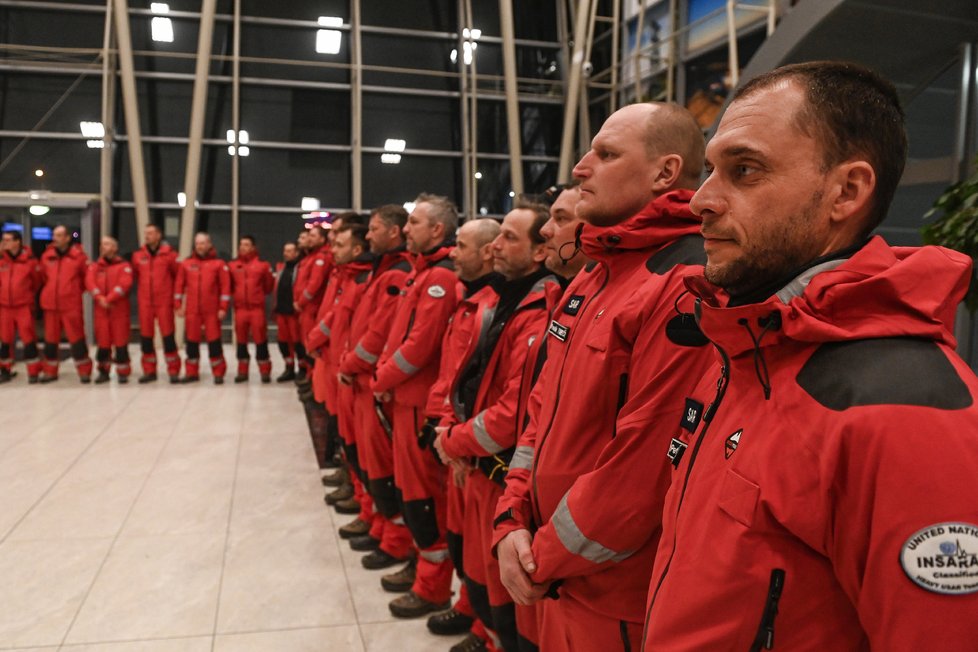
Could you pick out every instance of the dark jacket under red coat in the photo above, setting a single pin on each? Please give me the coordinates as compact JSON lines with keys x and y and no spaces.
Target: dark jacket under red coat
{"x":845,"y":425}
{"x":409,"y":363}
{"x":112,"y":279}
{"x":251,"y":281}
{"x":596,"y":487}
{"x":20,"y":278}
{"x":371,"y":320}
{"x":155,"y":275}
{"x":203,"y":284}
{"x":64,"y":278}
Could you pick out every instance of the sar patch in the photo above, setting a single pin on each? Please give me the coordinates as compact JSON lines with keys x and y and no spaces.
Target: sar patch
{"x":573,"y":305}
{"x":675,"y":452}
{"x":436,"y":292}
{"x":943,"y":558}
{"x":558,"y":330}
{"x":733,"y":441}
{"x":691,"y":415}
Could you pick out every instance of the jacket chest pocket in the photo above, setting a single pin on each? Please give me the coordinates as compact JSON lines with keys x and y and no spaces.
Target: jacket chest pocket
{"x":738,"y":498}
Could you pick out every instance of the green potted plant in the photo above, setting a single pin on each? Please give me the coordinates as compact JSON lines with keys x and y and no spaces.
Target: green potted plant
{"x":957,"y":228}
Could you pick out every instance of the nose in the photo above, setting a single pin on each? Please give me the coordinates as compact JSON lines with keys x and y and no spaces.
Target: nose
{"x":547,"y":230}
{"x":708,"y":202}
{"x":497,"y":243}
{"x":583,"y":168}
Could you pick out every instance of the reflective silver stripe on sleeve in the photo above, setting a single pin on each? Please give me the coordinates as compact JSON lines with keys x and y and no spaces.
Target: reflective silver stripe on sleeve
{"x":482,"y":435}
{"x":434,"y":556}
{"x":96,"y":291}
{"x":324,"y":329}
{"x":225,"y":297}
{"x":365,"y":355}
{"x":398,"y":520}
{"x":178,"y":296}
{"x":121,"y":292}
{"x":522,"y":458}
{"x":404,"y":365}
{"x":308,"y":296}
{"x":574,"y":540}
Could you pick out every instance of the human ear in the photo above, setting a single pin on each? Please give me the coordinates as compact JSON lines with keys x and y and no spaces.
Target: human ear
{"x":668,"y":169}
{"x":853,"y":185}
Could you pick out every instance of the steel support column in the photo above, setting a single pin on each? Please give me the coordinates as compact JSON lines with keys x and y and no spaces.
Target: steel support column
{"x":130,"y":106}
{"x":108,"y":123}
{"x":236,"y":126}
{"x":513,"y":126}
{"x":567,"y":151}
{"x":197,"y":110}
{"x":356,"y":107}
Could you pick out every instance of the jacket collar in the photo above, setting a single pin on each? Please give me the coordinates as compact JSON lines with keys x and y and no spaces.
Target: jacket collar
{"x":437,"y":253}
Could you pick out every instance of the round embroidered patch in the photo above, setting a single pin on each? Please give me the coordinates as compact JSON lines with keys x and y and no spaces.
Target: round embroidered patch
{"x":943,"y":558}
{"x":436,"y":291}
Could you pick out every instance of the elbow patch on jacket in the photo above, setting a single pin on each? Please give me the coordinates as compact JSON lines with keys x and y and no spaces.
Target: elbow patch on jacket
{"x":886,"y":371}
{"x":687,"y":250}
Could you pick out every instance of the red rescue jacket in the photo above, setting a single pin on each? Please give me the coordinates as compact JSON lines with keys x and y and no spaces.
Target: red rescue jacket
{"x":251,"y":281}
{"x":112,"y":279}
{"x":596,"y":488}
{"x":20,"y":278}
{"x":64,"y":278}
{"x":203,"y":284}
{"x":490,"y":432}
{"x":155,"y":274}
{"x":827,"y":499}
{"x":409,"y":363}
{"x":346,"y":286}
{"x":373,"y":316}
{"x":311,"y":276}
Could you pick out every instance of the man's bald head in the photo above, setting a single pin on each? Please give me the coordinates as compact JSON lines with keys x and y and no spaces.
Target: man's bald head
{"x":671,"y":129}
{"x":484,"y":230}
{"x":472,"y":254}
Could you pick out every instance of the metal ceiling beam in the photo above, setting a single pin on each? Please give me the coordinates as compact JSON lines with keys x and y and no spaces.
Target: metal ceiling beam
{"x":513,"y":125}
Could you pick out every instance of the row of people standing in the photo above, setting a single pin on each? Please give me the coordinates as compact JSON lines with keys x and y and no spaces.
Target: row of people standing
{"x":201,"y":289}
{"x":749,"y":325}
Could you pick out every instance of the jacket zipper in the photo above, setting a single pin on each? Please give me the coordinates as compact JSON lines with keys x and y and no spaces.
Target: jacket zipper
{"x":535,"y":502}
{"x":765,"y":632}
{"x":707,"y":420}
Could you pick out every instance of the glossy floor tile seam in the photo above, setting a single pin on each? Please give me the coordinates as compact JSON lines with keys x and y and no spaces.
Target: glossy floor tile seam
{"x":67,"y":469}
{"x":122,"y":524}
{"x":227,"y":527}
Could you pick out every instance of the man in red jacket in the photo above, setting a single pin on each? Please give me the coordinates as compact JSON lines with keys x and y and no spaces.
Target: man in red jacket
{"x":64,"y":265}
{"x":154,"y":267}
{"x":251,"y":282}
{"x":369,"y":330}
{"x":20,"y":279}
{"x":286,"y":319}
{"x":202,"y":294}
{"x":311,"y":277}
{"x":485,"y":398}
{"x":586,"y":527}
{"x":827,"y":498}
{"x":109,"y":280}
{"x":405,"y":372}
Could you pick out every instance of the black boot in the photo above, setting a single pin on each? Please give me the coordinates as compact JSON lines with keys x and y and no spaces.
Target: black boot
{"x":147,"y":378}
{"x":103,"y":377}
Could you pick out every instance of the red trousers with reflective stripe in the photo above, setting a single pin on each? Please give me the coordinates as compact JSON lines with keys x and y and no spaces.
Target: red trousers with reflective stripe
{"x":566,"y":625}
{"x":111,"y":326}
{"x":73,"y":325}
{"x":419,"y":476}
{"x":250,"y":322}
{"x":149,"y":316}
{"x":288,"y":329}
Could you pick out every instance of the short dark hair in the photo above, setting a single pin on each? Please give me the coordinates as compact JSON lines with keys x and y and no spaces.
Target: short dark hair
{"x":154,"y":225}
{"x":15,"y":235}
{"x":358,"y":233}
{"x":851,"y":111}
{"x":391,"y":215}
{"x":250,"y":238}
{"x":348,"y":217}
{"x":541,"y":213}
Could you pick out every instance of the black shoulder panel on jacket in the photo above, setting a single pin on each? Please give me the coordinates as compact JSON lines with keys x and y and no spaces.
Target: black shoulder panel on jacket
{"x":687,"y":250}
{"x":402,"y":265}
{"x":445,"y":263}
{"x":889,"y":371}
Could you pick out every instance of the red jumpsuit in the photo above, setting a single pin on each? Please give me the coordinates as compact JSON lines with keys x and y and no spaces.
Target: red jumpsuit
{"x":251,"y":282}
{"x":155,"y":272}
{"x":827,"y":499}
{"x":111,"y":279}
{"x":488,"y":435}
{"x":311,"y":278}
{"x":20,"y":279}
{"x":593,"y":499}
{"x":369,"y":329}
{"x":203,"y":287}
{"x":61,"y":301}
{"x":331,"y":338}
{"x":408,"y":367}
{"x":286,"y":319}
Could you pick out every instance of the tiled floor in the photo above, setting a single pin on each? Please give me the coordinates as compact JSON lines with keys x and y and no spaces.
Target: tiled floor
{"x":161,"y":518}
